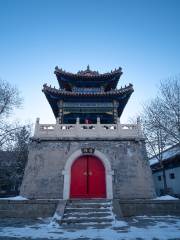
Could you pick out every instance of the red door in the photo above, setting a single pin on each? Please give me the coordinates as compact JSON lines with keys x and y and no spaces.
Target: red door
{"x":88,"y":178}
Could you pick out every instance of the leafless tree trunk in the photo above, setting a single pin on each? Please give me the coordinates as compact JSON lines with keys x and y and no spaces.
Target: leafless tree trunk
{"x":156,"y":142}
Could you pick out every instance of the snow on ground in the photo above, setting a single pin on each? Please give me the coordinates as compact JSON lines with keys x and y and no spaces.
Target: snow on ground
{"x":166,"y":197}
{"x":148,"y":228}
{"x":14,"y":198}
{"x":56,"y":217}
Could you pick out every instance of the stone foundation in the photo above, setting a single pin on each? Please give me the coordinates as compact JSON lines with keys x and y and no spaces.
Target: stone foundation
{"x":46,"y":208}
{"x":28,"y":208}
{"x":130,"y":175}
{"x":131,"y":208}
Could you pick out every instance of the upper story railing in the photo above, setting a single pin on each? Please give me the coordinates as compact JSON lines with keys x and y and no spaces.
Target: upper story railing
{"x":88,"y":131}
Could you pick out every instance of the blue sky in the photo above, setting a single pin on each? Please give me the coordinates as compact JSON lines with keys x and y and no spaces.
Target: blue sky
{"x":143,"y":37}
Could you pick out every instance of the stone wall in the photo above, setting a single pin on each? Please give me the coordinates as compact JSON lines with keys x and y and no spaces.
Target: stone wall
{"x":27,"y":208}
{"x":44,"y":172}
{"x":146,"y":207}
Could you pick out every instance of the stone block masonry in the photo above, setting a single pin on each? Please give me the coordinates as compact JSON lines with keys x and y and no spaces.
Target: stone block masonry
{"x":149,"y":207}
{"x":130,"y":174}
{"x":28,"y":208}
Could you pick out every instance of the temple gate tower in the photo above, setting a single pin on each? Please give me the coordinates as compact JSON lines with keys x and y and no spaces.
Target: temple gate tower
{"x":87,"y":153}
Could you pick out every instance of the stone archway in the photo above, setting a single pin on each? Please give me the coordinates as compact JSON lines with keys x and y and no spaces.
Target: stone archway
{"x":67,"y":173}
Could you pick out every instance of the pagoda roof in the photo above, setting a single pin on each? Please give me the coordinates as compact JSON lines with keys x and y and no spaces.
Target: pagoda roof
{"x":61,"y":92}
{"x":88,"y":78}
{"x":53,"y":95}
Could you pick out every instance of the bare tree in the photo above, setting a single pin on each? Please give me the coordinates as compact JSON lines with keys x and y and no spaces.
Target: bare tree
{"x":14,"y":137}
{"x":156,"y":143}
{"x":20,"y":149}
{"x":164,"y":110}
{"x":9,"y":100}
{"x":161,"y":121}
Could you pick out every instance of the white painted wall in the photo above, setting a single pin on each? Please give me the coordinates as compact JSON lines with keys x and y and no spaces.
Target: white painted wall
{"x":171,"y":183}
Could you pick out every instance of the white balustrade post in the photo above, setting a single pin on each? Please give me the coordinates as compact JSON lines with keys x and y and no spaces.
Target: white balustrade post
{"x":139,"y":130}
{"x":57,"y":130}
{"x":77,"y":120}
{"x":36,"y":129}
{"x":57,"y":120}
{"x":118,"y":127}
{"x":99,"y":130}
{"x":78,"y":128}
{"x":118,"y":123}
{"x":98,"y":120}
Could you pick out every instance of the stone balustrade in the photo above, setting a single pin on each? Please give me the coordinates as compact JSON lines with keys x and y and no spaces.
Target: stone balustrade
{"x":88,"y":131}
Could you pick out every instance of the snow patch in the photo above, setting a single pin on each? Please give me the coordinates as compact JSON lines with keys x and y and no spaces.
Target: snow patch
{"x":118,"y":223}
{"x":56,"y":217}
{"x":17,"y":198}
{"x":166,"y":197}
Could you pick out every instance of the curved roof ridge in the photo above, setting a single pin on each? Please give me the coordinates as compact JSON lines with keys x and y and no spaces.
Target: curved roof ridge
{"x":88,"y":72}
{"x":64,"y":92}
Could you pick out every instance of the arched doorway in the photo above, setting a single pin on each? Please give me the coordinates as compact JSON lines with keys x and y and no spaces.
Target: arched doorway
{"x":88,"y":178}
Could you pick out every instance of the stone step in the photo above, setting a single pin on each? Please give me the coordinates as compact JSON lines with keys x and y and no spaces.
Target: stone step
{"x":87,"y":214}
{"x":86,"y":225}
{"x":85,"y":210}
{"x":87,"y":220}
{"x":89,"y":201}
{"x":86,"y":205}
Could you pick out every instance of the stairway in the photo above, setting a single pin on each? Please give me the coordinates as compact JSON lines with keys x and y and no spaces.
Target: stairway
{"x":94,"y":213}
